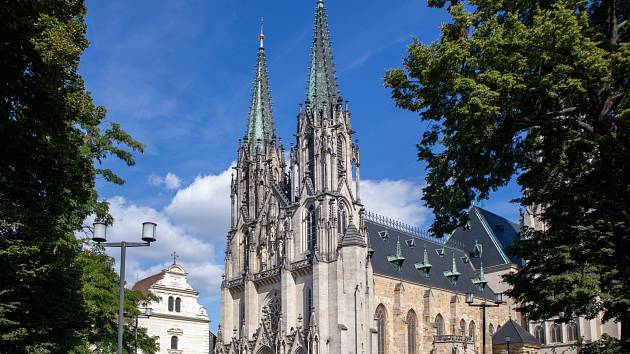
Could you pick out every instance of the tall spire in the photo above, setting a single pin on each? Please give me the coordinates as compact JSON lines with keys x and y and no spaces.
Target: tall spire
{"x":322,"y":82}
{"x":260,"y":126}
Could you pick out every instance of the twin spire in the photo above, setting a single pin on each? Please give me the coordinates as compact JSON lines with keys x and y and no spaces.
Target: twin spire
{"x":260,"y":126}
{"x":322,"y":83}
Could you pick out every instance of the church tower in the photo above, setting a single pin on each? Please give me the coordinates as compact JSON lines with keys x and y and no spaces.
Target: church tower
{"x":298,"y":278}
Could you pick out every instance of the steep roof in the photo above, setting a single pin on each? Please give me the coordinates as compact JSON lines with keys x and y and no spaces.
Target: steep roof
{"x":322,"y":81}
{"x":383,"y":240}
{"x":517,"y":334}
{"x":144,"y":284}
{"x":260,"y":125}
{"x":490,"y":234}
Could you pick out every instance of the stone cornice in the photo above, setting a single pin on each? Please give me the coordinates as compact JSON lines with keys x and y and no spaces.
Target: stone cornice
{"x":180,"y":317}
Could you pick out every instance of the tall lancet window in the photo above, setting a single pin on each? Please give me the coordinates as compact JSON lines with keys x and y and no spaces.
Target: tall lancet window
{"x":311,"y":228}
{"x":412,"y":320}
{"x":381,"y":328}
{"x":342,"y":220}
{"x":341,"y":159}
{"x":246,"y":252}
{"x":308,"y":306}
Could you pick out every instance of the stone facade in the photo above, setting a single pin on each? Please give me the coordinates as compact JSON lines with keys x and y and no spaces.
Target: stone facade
{"x":178,"y":321}
{"x":429,"y":304}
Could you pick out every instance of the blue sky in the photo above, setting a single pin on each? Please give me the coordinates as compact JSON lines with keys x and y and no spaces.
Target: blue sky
{"x":177,"y":75}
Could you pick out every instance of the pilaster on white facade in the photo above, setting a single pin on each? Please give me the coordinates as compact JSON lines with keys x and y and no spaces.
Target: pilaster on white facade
{"x":178,"y":321}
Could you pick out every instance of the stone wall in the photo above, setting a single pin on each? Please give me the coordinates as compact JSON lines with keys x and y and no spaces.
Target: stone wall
{"x":428,"y":303}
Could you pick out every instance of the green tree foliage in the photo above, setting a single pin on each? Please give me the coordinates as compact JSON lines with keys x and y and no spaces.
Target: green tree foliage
{"x":53,"y":138}
{"x":100,"y":291}
{"x":536,"y":89}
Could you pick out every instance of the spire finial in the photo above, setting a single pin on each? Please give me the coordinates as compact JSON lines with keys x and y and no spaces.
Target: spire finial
{"x":175,"y":256}
{"x":262,"y":35}
{"x":320,"y":3}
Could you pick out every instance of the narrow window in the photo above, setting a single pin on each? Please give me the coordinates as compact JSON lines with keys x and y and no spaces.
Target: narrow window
{"x":491,"y":329}
{"x":308,"y":306}
{"x":246,"y":252}
{"x":539,"y":333}
{"x":311,"y":226}
{"x":341,"y":160}
{"x":170,"y":303}
{"x":411,"y":332}
{"x":174,"y":342}
{"x":178,"y":305}
{"x":381,"y":321}
{"x":572,"y":332}
{"x":556,"y":333}
{"x":472,"y":330}
{"x":439,"y":325}
{"x":462,"y":327}
{"x":341,"y":225}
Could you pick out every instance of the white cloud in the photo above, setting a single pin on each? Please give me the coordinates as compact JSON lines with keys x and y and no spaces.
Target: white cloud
{"x":397,"y":199}
{"x":170,"y":181}
{"x":203,"y":208}
{"x":193,"y":224}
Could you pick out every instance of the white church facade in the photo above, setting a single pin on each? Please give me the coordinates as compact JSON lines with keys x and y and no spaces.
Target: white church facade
{"x":178,"y":322}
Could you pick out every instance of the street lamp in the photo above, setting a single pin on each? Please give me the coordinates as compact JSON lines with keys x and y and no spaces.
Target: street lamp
{"x":100,"y":237}
{"x":507,"y":340}
{"x":148,"y":312}
{"x":498,"y":300}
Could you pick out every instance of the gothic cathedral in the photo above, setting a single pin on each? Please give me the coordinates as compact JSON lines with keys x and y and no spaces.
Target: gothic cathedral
{"x":296,"y":271}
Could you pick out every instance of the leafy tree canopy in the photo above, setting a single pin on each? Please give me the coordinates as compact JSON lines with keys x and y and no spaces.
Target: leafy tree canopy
{"x":536,"y":89}
{"x":53,"y":140}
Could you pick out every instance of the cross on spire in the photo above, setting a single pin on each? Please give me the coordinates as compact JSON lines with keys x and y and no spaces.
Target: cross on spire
{"x":175,"y":256}
{"x":262,"y":35}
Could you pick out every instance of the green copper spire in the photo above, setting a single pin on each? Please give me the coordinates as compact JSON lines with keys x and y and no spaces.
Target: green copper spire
{"x":260,"y":126}
{"x":452,"y":274}
{"x":481,"y":280}
{"x":398,"y":259}
{"x":321,"y":81}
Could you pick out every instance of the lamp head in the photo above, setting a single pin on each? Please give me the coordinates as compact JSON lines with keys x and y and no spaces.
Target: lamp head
{"x":498,"y":298}
{"x":148,"y":231}
{"x":100,"y":232}
{"x":470,"y":298}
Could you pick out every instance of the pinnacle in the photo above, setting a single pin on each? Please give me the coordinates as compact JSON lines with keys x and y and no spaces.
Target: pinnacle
{"x":322,"y":83}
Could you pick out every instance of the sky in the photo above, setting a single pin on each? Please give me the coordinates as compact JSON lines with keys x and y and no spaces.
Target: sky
{"x":177,"y":75}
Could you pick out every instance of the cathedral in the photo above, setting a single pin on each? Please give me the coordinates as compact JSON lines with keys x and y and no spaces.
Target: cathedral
{"x":309,"y":270}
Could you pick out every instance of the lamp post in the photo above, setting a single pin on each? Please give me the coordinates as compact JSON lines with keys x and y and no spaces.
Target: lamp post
{"x":148,"y":312}
{"x":498,"y":300}
{"x":100,"y":237}
{"x":507,"y":341}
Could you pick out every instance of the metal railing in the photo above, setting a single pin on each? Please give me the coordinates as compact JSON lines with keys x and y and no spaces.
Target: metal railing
{"x":452,"y":338}
{"x":403,"y":227}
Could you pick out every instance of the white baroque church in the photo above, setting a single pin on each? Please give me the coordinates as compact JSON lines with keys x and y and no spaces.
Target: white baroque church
{"x":301,"y":248}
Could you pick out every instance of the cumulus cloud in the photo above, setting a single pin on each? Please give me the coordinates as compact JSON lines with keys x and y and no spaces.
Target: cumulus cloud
{"x":397,"y":199}
{"x":203,"y":208}
{"x":170,"y":181}
{"x":193,"y":224}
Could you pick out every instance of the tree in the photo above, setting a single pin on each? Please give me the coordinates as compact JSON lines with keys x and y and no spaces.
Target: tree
{"x":53,"y":139}
{"x":535,"y":90}
{"x":100,"y":291}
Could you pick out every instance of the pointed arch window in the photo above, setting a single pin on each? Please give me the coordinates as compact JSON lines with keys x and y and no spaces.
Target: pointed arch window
{"x":462,"y":327}
{"x":178,"y":305}
{"x":246,"y":252}
{"x":412,"y":321}
{"x":556,"y":333}
{"x":491,"y":329}
{"x":311,"y":228}
{"x":439,"y":325}
{"x":174,"y":342}
{"x":341,"y":159}
{"x":171,"y":302}
{"x":472,"y":330}
{"x":539,"y":333}
{"x":572,"y":332}
{"x":342,"y":223}
{"x":381,"y":328}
